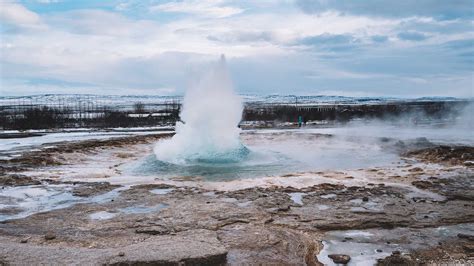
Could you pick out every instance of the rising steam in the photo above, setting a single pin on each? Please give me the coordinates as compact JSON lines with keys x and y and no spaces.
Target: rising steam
{"x":211,"y":112}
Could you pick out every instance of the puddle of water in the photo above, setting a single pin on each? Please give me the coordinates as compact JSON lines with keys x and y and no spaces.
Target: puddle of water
{"x":102,"y":215}
{"x":161,"y":191}
{"x":358,"y":234}
{"x":229,"y":200}
{"x":244,"y":204}
{"x":108,"y":196}
{"x":358,"y":209}
{"x":210,"y":194}
{"x":329,"y":196}
{"x":365,"y":247}
{"x":141,"y":209}
{"x":454,"y":230}
{"x":28,"y":200}
{"x":428,"y":215}
{"x":356,"y":201}
{"x":418,"y":193}
{"x":364,"y":254}
{"x":297,"y":197}
{"x":33,"y":199}
{"x":365,"y":206}
{"x":323,"y":207}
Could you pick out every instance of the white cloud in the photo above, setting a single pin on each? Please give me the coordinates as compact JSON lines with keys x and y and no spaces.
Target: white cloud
{"x":122,"y":6}
{"x":101,"y":23}
{"x":107,"y":49}
{"x":17,"y":15}
{"x":48,"y":1}
{"x":205,"y":8}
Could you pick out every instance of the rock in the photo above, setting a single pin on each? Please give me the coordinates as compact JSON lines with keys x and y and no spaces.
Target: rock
{"x":49,"y":236}
{"x":10,"y":210}
{"x":17,"y":180}
{"x":415,"y":169}
{"x":200,"y":247}
{"x":124,"y":155}
{"x":121,"y":254}
{"x":457,"y":256}
{"x":365,"y":199}
{"x":24,"y":240}
{"x":469,"y":247}
{"x":153,"y":230}
{"x":421,"y":184}
{"x":340,"y":258}
{"x":379,"y":250}
{"x":93,"y":189}
{"x":460,"y":195}
{"x":396,"y":259}
{"x":153,"y":186}
{"x":454,"y":155}
{"x":269,"y":220}
{"x":466,"y":236}
{"x":284,"y":208}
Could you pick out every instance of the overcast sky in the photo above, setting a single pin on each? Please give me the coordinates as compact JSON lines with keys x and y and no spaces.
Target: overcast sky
{"x":401,"y":48}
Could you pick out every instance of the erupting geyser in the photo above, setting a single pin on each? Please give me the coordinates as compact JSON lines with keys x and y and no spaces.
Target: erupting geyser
{"x":209,"y":132}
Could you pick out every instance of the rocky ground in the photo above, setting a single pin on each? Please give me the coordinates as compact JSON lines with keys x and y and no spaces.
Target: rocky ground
{"x":418,"y":213}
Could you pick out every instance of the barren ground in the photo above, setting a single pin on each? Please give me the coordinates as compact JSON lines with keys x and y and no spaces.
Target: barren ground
{"x":71,"y":203}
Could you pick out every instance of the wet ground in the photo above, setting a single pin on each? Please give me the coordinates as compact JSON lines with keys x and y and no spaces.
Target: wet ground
{"x":81,"y":202}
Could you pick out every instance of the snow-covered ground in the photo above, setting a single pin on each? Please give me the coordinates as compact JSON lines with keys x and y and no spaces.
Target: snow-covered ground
{"x":9,"y":146}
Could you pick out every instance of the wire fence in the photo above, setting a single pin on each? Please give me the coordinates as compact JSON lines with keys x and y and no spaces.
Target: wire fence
{"x":84,"y":111}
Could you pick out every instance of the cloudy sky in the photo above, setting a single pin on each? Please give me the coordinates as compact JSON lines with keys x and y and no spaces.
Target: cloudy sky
{"x":306,"y":47}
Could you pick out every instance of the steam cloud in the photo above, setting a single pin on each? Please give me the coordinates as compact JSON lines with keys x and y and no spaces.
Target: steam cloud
{"x":211,"y":112}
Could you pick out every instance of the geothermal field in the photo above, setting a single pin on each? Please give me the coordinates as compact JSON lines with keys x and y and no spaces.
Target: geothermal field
{"x":391,"y":191}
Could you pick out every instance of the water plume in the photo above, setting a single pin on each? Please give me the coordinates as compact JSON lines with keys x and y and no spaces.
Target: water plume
{"x":209,"y":132}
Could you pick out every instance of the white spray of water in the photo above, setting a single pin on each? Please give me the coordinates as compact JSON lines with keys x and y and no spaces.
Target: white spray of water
{"x":211,"y":112}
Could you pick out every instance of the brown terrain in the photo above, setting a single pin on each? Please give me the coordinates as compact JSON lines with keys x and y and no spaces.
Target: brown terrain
{"x":188,"y":221}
